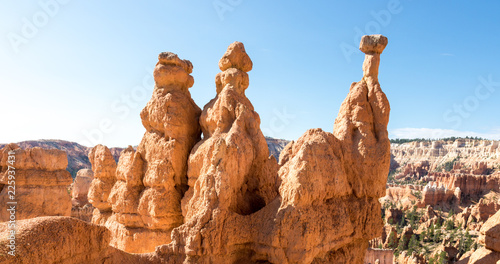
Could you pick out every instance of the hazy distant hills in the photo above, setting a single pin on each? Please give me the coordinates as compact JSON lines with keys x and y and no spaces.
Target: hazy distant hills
{"x":78,"y":154}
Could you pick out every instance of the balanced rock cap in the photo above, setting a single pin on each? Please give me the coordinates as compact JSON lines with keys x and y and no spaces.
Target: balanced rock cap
{"x":236,"y":57}
{"x":373,"y":44}
{"x":169,"y":58}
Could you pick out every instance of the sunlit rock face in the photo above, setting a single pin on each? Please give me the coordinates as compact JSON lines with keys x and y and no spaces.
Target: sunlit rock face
{"x":38,"y":182}
{"x":139,"y":199}
{"x":223,"y":198}
{"x":319,"y":206}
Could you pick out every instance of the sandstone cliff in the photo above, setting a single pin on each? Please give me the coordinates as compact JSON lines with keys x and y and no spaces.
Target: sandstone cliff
{"x":40,"y":182}
{"x":438,"y":152}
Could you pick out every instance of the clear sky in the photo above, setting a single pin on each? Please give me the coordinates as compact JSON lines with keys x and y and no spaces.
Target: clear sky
{"x":81,"y":70}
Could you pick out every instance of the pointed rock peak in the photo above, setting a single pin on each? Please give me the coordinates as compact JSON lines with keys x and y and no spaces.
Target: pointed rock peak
{"x":373,"y":44}
{"x":236,"y":57}
{"x":170,"y":71}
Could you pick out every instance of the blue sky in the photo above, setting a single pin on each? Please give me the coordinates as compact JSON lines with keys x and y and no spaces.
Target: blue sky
{"x":81,"y":70}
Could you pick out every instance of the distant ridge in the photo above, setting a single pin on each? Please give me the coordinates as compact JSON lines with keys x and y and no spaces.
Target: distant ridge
{"x":78,"y":154}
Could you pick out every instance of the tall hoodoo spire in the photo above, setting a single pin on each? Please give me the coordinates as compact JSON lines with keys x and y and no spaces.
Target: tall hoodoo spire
{"x":372,"y":46}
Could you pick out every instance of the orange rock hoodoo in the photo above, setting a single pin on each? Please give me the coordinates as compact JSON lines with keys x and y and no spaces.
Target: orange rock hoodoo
{"x":139,"y":199}
{"x":223,"y":199}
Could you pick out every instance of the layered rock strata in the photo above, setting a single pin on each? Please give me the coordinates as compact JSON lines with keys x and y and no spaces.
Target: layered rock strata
{"x":104,"y":170}
{"x":438,"y":152}
{"x":36,"y":180}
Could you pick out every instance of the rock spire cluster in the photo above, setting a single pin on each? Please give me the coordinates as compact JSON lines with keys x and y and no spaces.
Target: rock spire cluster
{"x":222,"y":198}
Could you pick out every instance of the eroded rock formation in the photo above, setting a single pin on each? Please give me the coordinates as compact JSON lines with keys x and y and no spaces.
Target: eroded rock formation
{"x":470,"y":185}
{"x":383,"y":256}
{"x":59,"y":239}
{"x":41,"y":182}
{"x":103,"y":167}
{"x":439,"y":195}
{"x":490,"y":238}
{"x":436,"y":153}
{"x":81,"y":208}
{"x":81,"y":186}
{"x":140,"y":198}
{"x":324,"y":178}
{"x":226,"y":198}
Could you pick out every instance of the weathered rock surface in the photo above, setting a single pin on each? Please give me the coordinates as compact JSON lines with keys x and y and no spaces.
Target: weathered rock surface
{"x":104,"y":170}
{"x":84,"y":213}
{"x":41,"y":182}
{"x":64,"y":240}
{"x":439,"y":195}
{"x":81,"y":186}
{"x":490,"y":238}
{"x":383,"y":256}
{"x":225,"y":199}
{"x":145,"y":200}
{"x":438,"y":152}
{"x":484,"y":256}
{"x":490,"y":233}
{"x":484,"y":209}
{"x":78,"y":154}
{"x":81,"y":208}
{"x":470,"y":185}
{"x":404,"y":258}
{"x":323,"y":180}
{"x":393,"y":215}
{"x":404,"y":195}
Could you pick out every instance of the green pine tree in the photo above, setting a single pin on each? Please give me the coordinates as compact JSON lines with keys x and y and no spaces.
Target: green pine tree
{"x":403,"y":244}
{"x":393,"y":240}
{"x":450,"y":225}
{"x":413,"y":244}
{"x":442,"y":258}
{"x":422,"y":236}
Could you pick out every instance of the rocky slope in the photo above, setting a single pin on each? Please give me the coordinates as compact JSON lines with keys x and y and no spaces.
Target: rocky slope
{"x":451,"y":187}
